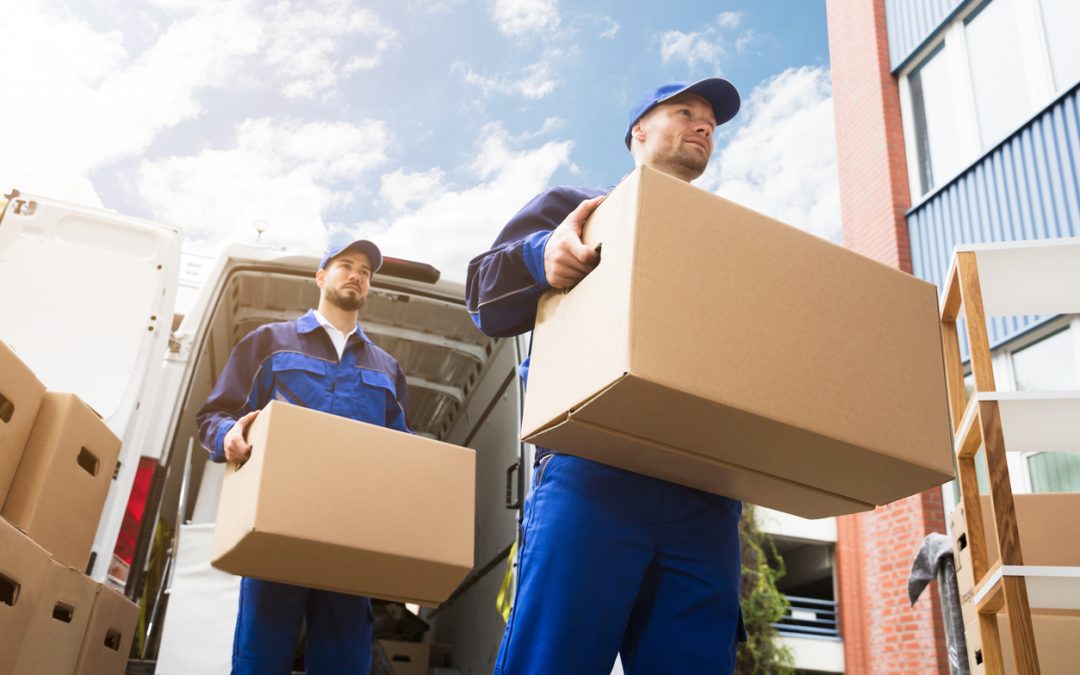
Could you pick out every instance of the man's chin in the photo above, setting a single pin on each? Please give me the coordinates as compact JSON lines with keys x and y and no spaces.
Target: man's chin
{"x":350,"y":303}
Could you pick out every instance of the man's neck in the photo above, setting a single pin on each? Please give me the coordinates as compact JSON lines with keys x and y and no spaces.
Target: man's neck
{"x":342,"y":319}
{"x":673,"y":170}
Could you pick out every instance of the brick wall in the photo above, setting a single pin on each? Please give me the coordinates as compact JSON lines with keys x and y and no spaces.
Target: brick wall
{"x":882,"y":632}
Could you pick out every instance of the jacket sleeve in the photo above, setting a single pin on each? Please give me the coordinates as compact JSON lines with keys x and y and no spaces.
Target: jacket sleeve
{"x":398,"y":410}
{"x":503,"y":285}
{"x":243,"y":386}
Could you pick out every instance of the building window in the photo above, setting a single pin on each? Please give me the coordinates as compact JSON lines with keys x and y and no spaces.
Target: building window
{"x":1050,"y":365}
{"x":1002,"y":102}
{"x":1047,"y":365}
{"x":991,"y":70}
{"x":934,"y":120}
{"x":1061,"y":18}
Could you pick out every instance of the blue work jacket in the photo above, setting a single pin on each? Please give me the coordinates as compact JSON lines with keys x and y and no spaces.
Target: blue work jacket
{"x":296,"y":362}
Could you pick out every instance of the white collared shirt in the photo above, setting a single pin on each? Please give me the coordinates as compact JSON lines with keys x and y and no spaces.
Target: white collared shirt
{"x":336,"y":336}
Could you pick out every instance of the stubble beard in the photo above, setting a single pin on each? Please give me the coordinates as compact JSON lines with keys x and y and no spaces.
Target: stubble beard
{"x":349,"y":303}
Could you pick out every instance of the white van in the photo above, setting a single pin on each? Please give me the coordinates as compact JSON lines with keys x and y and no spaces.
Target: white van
{"x":87,"y":299}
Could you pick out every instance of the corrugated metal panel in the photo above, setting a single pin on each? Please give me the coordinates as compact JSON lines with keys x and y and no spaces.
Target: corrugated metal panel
{"x":910,"y":23}
{"x":1028,"y":187}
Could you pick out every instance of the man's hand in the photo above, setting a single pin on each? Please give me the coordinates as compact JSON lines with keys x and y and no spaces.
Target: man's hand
{"x":236,"y":448}
{"x":566,"y":259}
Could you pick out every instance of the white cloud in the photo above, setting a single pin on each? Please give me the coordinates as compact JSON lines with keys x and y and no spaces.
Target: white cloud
{"x":534,"y":82}
{"x":284,"y":174}
{"x":80,"y":100}
{"x":312,"y":45}
{"x":782,"y":160}
{"x":694,"y":48}
{"x":401,"y":189}
{"x":518,"y":18}
{"x":451,"y":225}
{"x":611,"y":27}
{"x":705,"y":47}
{"x":729,"y":19}
{"x":434,"y":6}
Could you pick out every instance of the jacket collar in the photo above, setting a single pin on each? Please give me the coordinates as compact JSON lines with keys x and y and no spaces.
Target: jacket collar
{"x":308,"y":323}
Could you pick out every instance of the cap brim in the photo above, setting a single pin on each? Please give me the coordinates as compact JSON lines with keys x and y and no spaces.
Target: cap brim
{"x":374,"y":255}
{"x":721,"y":94}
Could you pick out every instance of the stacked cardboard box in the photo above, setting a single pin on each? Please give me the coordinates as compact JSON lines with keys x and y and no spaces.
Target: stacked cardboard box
{"x":1049,"y":535}
{"x":56,"y":463}
{"x":63,"y":478}
{"x":23,"y":569}
{"x":415,"y":658}
{"x":718,"y":348}
{"x":328,"y":502}
{"x":1055,"y":641}
{"x":20,"y":396}
{"x":58,"y":624}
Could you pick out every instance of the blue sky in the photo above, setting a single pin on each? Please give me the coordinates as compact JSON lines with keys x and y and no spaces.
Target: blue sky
{"x":424,"y":125}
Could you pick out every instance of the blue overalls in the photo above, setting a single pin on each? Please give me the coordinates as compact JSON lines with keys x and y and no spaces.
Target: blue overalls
{"x":610,"y":561}
{"x":296,"y":362}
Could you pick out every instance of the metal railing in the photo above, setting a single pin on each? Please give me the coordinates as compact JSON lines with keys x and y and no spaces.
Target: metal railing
{"x":809,"y":617}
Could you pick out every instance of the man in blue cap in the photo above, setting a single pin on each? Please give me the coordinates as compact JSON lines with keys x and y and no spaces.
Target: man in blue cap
{"x":610,"y":561}
{"x":324,"y":361}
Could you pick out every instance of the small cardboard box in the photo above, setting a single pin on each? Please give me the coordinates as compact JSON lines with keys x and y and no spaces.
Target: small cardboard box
{"x":1055,"y":642}
{"x":718,"y":348}
{"x":63,"y":478}
{"x":1049,"y":535}
{"x":109,"y":633}
{"x":328,"y":502}
{"x":23,"y":566}
{"x":20,"y":396}
{"x":61,"y":615}
{"x":407,"y":658}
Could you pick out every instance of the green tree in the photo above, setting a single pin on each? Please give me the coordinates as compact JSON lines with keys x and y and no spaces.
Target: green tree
{"x":762,"y":604}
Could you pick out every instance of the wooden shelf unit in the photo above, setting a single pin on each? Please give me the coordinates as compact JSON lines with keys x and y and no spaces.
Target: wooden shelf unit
{"x":1033,"y":277}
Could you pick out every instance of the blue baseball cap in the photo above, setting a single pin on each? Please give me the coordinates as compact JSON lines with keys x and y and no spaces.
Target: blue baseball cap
{"x":364,"y":246}
{"x":721,"y":94}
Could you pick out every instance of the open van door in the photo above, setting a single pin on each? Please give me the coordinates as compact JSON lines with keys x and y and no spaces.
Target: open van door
{"x":86,"y":299}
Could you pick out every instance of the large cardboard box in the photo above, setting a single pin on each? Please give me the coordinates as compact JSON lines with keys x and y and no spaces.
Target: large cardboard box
{"x":332,"y":503}
{"x":718,"y":348}
{"x":61,"y":615}
{"x":20,"y":396}
{"x":407,"y":658}
{"x":1055,"y":641}
{"x":109,"y":633}
{"x":1049,"y":535}
{"x":63,"y":478}
{"x":23,"y":566}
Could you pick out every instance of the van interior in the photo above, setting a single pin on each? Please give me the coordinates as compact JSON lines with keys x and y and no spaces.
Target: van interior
{"x":463,"y":389}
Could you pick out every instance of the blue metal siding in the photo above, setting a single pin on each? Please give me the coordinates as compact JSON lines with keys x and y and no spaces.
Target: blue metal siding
{"x":910,"y":23}
{"x":1028,"y":187}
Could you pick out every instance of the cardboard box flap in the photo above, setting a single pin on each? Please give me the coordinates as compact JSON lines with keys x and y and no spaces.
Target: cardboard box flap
{"x":642,"y":409}
{"x":618,"y":449}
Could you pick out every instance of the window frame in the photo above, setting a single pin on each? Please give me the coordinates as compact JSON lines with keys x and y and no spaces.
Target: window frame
{"x":951,"y":44}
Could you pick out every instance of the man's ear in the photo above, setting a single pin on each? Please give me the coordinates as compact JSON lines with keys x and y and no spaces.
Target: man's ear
{"x":320,"y":278}
{"x":638,"y":131}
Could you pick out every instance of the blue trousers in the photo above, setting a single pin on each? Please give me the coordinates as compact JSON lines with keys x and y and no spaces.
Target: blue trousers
{"x":268,"y":627}
{"x":612,"y":562}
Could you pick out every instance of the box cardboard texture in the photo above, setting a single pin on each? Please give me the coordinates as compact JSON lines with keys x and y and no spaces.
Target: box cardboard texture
{"x":20,"y":396}
{"x":718,"y":348}
{"x":109,"y":633}
{"x":61,"y":615}
{"x":1055,"y":642}
{"x":332,"y":503}
{"x":23,"y":566}
{"x":1049,"y":535}
{"x":407,"y":658}
{"x":63,"y":478}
